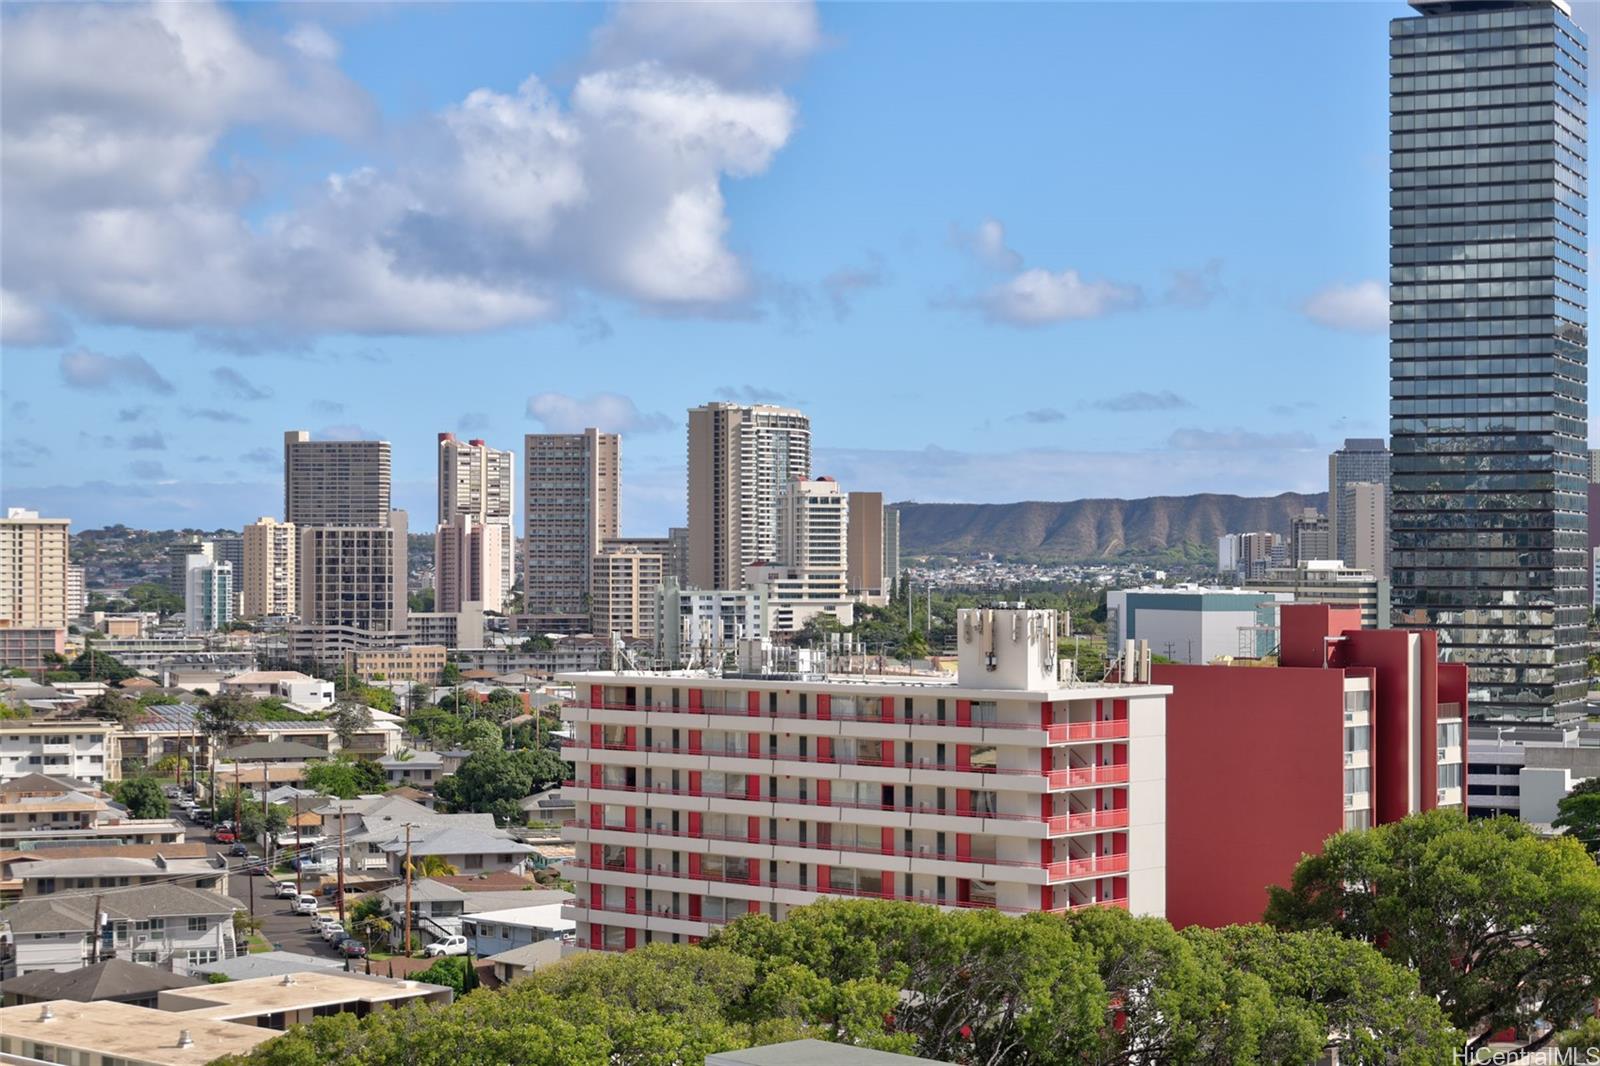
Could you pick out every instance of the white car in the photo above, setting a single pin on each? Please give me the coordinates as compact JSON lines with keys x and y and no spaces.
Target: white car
{"x":304,"y":905}
{"x":450,"y":945}
{"x":335,"y":930}
{"x":322,"y":922}
{"x":286,"y":890}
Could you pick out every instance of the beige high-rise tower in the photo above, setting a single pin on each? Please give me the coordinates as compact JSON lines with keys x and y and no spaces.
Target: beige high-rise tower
{"x":335,"y":482}
{"x":479,"y":482}
{"x":33,"y":570}
{"x":467,"y":561}
{"x":739,"y":457}
{"x":268,"y":581}
{"x":866,"y":543}
{"x":571,"y":495}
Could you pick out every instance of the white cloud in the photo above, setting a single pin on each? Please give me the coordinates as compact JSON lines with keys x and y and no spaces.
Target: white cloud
{"x":987,"y":244}
{"x":1038,"y":297}
{"x":730,"y":42}
{"x":24,"y":324}
{"x":496,"y":210}
{"x":1362,"y":307}
{"x":605,"y":411}
{"x":84,"y":369}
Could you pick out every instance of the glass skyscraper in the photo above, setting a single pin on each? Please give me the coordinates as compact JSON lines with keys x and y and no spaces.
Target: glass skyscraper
{"x":1488,"y":343}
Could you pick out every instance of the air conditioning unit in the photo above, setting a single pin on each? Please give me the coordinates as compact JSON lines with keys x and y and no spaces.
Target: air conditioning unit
{"x":1349,"y":799}
{"x":922,"y":849}
{"x":1442,"y":793}
{"x":1442,"y":753}
{"x":1349,"y":757}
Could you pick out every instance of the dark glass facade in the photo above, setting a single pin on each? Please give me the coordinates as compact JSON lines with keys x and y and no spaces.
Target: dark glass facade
{"x":1488,"y":343}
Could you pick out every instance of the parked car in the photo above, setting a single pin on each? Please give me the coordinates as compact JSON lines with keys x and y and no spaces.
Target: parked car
{"x":258,"y":869}
{"x":238,"y":851}
{"x":172,"y":792}
{"x":286,"y":890}
{"x":333,"y":934}
{"x":322,"y":922}
{"x":351,"y":948}
{"x":450,"y":945}
{"x":224,"y":836}
{"x":304,"y":905}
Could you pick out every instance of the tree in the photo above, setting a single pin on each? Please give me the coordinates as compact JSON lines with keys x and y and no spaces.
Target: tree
{"x":245,"y":925}
{"x":1578,"y":812}
{"x":447,"y":970}
{"x":148,"y":596}
{"x":347,"y":719}
{"x":538,"y":642}
{"x":142,"y":796}
{"x":496,"y":781}
{"x":450,"y":675}
{"x":432,"y":866}
{"x":121,"y":709}
{"x":225,"y":719}
{"x":333,"y":778}
{"x":1502,"y":927}
{"x":99,"y":666}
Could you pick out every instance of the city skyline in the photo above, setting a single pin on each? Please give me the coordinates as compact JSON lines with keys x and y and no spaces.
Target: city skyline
{"x":1160,"y":335}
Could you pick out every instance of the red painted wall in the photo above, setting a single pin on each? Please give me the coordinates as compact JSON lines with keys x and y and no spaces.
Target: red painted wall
{"x":1255,"y":779}
{"x":1393,"y":757}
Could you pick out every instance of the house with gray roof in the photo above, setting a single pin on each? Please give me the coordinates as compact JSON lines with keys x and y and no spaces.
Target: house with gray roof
{"x":469,"y":848}
{"x":267,"y":964}
{"x":114,"y":979}
{"x":419,"y":769}
{"x":163,"y":925}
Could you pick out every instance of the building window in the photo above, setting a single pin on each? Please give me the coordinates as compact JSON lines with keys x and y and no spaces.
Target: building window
{"x":1450,"y":775}
{"x":201,"y":956}
{"x":197,"y":925}
{"x":1361,"y":819}
{"x":1450,"y":734}
{"x":1357,"y":779}
{"x":1357,"y":701}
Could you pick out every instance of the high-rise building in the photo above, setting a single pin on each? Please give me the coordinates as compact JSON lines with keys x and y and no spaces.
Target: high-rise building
{"x":1594,"y":466}
{"x":571,"y":497}
{"x":623,"y":584}
{"x":468,"y":563}
{"x":268,"y":576}
{"x":1329,"y":581}
{"x":811,"y":526}
{"x":77,"y":592}
{"x":701,"y":626}
{"x":1309,"y":537}
{"x":739,"y":458}
{"x":229,"y":550}
{"x":335,"y":482}
{"x":1362,"y":459}
{"x":354,"y":577}
{"x":479,"y":481}
{"x":1249,"y":555}
{"x":678,"y":554}
{"x":866,"y":555}
{"x":891,"y":551}
{"x":177,"y":576}
{"x":1365,"y":502}
{"x":33,"y":570}
{"x":207,"y":595}
{"x":1488,"y":343}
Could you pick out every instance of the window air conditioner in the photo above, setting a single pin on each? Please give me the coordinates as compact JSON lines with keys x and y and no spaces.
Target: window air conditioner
{"x":1349,"y":799}
{"x":1349,"y":757}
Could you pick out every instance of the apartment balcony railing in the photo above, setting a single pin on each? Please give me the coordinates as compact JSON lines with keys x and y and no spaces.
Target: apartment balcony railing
{"x":1058,"y":823}
{"x":1060,"y":732}
{"x":858,"y":893}
{"x":1057,"y":870}
{"x":1065,"y":778}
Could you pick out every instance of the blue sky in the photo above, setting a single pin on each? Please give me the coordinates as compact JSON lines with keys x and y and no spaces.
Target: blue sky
{"x":997,"y":252}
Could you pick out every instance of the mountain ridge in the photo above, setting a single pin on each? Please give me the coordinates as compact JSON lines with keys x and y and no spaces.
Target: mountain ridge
{"x":1096,"y":529}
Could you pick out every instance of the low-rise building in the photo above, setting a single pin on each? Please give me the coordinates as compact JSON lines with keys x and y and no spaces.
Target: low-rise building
{"x":1331,"y":582}
{"x":418,"y":664}
{"x":108,"y":1033}
{"x":291,"y":686}
{"x":699,"y":626}
{"x":491,"y":932}
{"x":419,"y":769}
{"x":31,"y":648}
{"x":295,"y":999}
{"x":77,"y":748}
{"x":114,"y":980}
{"x":165,"y":925}
{"x":794,"y":596}
{"x":468,"y":848}
{"x":1523,"y":769}
{"x":451,"y":629}
{"x":50,"y":876}
{"x":1194,"y":624}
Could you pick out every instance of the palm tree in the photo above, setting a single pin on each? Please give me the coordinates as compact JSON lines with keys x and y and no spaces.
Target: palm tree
{"x":432,"y":866}
{"x":228,"y":718}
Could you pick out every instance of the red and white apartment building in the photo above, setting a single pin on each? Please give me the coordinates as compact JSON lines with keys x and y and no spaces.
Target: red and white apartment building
{"x":1351,"y":728}
{"x":702,"y":798}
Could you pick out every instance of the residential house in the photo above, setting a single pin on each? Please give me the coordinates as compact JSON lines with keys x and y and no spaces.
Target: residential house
{"x":165,"y":925}
{"x":114,"y":980}
{"x":76,"y":748}
{"x":492,"y":932}
{"x":291,"y":686}
{"x":548,"y":807}
{"x":50,"y":876}
{"x":419,"y":769}
{"x":468,"y":848}
{"x":37,"y":810}
{"x":527,"y":959}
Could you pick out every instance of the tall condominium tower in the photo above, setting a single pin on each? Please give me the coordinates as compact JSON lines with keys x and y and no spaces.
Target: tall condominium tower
{"x":351,"y":552}
{"x":739,"y":457}
{"x":866,"y":555}
{"x":1362,"y":460}
{"x":335,"y":482}
{"x":33,"y":570}
{"x":571,"y":490}
{"x":478,"y":481}
{"x":207,"y":594}
{"x":267,"y":577}
{"x":467,"y":557}
{"x":1488,"y":346}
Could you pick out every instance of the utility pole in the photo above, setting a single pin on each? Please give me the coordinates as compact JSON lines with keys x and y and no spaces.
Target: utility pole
{"x":299,"y":856}
{"x":94,"y":932}
{"x":341,"y":863}
{"x":408,"y":890}
{"x":266,"y":821}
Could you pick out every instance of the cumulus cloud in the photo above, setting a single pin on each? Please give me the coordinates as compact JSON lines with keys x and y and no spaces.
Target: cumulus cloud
{"x":1039,"y":297}
{"x":987,"y":244}
{"x":26,"y":324}
{"x":495,"y":211}
{"x":1237,"y":440}
{"x":730,"y":43}
{"x":214,"y":414}
{"x":1361,"y":307}
{"x":605,"y":411}
{"x":1041,"y":416}
{"x":84,"y":369}
{"x":237,"y":385}
{"x":1139,"y":400}
{"x":147,"y":442}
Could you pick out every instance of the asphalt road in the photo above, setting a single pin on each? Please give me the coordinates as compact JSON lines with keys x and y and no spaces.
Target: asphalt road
{"x":284,"y":930}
